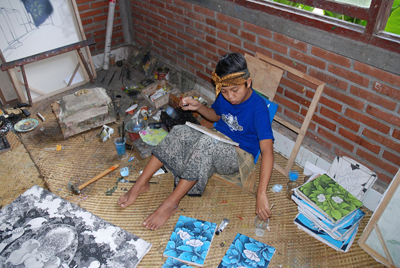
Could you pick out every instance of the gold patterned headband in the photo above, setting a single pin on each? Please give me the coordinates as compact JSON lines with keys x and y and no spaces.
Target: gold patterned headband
{"x":228,"y":80}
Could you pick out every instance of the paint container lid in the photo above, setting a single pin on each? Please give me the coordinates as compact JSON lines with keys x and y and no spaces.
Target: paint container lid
{"x":124,"y":171}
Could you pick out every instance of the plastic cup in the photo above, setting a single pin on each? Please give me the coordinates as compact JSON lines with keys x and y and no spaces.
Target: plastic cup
{"x":120,"y":145}
{"x":260,"y":226}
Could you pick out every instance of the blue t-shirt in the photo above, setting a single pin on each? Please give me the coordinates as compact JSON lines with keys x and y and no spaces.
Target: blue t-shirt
{"x":246,"y":123}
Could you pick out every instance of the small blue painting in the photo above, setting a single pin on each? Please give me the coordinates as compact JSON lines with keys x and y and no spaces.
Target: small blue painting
{"x":190,"y":241}
{"x":174,"y":263}
{"x":247,"y":252}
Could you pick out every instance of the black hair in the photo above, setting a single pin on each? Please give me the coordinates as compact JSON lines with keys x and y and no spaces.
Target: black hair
{"x":230,"y":63}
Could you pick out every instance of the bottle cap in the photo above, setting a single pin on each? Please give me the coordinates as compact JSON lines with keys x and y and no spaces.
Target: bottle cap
{"x":293,"y":175}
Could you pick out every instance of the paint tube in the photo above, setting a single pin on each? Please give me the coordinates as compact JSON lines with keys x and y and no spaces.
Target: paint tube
{"x":222,"y":226}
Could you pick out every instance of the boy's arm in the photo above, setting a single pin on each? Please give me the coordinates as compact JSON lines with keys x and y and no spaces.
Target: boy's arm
{"x":189,"y":104}
{"x":267,"y":163}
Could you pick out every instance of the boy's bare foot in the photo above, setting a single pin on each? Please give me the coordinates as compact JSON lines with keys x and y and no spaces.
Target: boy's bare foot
{"x":129,"y":197}
{"x":161,"y":215}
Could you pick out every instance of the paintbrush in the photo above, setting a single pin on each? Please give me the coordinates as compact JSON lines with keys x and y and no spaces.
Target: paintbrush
{"x":123,"y":130}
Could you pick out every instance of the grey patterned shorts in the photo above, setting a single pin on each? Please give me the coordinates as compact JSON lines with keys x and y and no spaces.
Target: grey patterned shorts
{"x":192,"y":155}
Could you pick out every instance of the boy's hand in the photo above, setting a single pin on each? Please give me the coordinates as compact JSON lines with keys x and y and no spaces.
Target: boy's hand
{"x":262,"y":207}
{"x":189,"y":104}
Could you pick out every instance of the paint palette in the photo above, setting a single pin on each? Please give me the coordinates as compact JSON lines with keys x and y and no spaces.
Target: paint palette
{"x":26,"y":125}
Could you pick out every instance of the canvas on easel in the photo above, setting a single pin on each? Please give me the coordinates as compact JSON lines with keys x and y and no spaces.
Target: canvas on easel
{"x":381,"y":237}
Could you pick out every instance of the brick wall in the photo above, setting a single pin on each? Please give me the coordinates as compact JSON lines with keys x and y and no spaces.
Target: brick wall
{"x":94,"y":15}
{"x":359,"y":112}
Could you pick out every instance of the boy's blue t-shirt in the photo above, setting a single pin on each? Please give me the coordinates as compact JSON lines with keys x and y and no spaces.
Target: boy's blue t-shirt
{"x":246,"y":123}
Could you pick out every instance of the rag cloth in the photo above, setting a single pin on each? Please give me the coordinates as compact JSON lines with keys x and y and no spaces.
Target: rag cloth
{"x":194,"y":156}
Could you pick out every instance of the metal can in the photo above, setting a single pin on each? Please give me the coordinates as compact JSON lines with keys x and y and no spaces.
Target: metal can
{"x":155,"y":75}
{"x":163,"y":73}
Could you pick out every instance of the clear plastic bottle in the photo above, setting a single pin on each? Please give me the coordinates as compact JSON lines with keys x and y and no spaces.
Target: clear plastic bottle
{"x":292,"y":183}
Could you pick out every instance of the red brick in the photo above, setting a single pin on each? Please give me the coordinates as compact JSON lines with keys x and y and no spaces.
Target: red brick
{"x":160,"y":4}
{"x":377,"y":73}
{"x":194,"y":16}
{"x":238,"y":49}
{"x":381,"y":139}
{"x":214,"y":58}
{"x":293,"y":85}
{"x":325,"y":101}
{"x":95,"y":5}
{"x":175,"y":9}
{"x":394,"y":158}
{"x":301,"y":80}
{"x":167,"y":14}
{"x":185,"y":36}
{"x":91,"y":13}
{"x":229,"y":38}
{"x":229,"y":20}
{"x":248,"y":36}
{"x":287,"y":103}
{"x":383,"y":177}
{"x":176,"y":40}
{"x":360,"y":117}
{"x":82,"y":8}
{"x":87,"y":21}
{"x":339,"y":118}
{"x":374,"y":98}
{"x":92,"y":27}
{"x":204,"y":11}
{"x":332,"y":57}
{"x":234,"y":30}
{"x":158,"y":18}
{"x":186,"y":52}
{"x":205,"y":28}
{"x":325,"y":144}
{"x":307,"y":59}
{"x":377,"y":161}
{"x":290,"y":41}
{"x":207,"y":46}
{"x":297,"y":98}
{"x":217,"y":24}
{"x":360,"y":141}
{"x":217,"y":42}
{"x":257,"y":29}
{"x":250,"y":47}
{"x":176,"y":25}
{"x":195,"y":32}
{"x":345,"y":73}
{"x":386,"y":90}
{"x":184,"y":20}
{"x":102,"y":18}
{"x":344,"y":98}
{"x":203,"y":60}
{"x":396,"y":134}
{"x":328,"y":79}
{"x":392,"y":119}
{"x":259,"y":49}
{"x":272,"y":45}
{"x":319,"y":120}
{"x":183,"y":4}
{"x":335,"y":139}
{"x":167,"y":42}
{"x":295,"y":116}
{"x":168,"y":29}
{"x":291,"y":63}
{"x":197,"y":49}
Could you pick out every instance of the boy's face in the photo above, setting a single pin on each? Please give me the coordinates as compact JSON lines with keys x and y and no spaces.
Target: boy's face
{"x":237,"y":94}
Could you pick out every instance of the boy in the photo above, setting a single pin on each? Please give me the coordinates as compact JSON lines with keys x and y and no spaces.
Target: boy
{"x":193,"y":157}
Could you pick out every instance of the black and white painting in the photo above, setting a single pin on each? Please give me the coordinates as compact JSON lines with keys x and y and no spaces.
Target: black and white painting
{"x":29,"y":27}
{"x":40,"y":229}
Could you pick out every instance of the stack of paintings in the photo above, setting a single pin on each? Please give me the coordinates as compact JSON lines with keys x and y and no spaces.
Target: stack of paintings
{"x":328,"y":212}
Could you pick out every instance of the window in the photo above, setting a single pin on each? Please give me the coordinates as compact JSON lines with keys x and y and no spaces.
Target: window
{"x":376,"y":22}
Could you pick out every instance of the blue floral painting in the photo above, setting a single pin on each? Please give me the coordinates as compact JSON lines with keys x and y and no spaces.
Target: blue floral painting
{"x":174,"y":263}
{"x":247,"y":252}
{"x":190,"y":240}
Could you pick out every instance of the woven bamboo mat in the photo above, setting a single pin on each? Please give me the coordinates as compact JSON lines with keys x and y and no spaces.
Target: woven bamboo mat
{"x":17,"y":171}
{"x":83,"y":156}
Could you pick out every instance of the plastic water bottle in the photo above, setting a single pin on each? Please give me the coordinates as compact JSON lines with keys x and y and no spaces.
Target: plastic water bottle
{"x":292,"y":183}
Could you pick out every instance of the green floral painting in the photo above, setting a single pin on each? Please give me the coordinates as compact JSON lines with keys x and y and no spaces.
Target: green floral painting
{"x":330,"y":197}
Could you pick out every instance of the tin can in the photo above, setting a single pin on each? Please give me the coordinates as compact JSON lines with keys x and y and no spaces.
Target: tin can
{"x":155,"y":75}
{"x":163,"y":73}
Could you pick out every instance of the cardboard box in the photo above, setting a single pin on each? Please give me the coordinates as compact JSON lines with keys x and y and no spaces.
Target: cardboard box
{"x":162,"y":100}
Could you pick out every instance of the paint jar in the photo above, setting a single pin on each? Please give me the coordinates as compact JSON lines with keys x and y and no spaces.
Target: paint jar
{"x":292,"y":183}
{"x":120,"y":146}
{"x":163,"y":73}
{"x":260,"y":226}
{"x":112,"y":59}
{"x":134,"y":127}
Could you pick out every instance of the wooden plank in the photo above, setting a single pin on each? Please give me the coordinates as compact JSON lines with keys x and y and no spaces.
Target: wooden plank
{"x":61,"y":90}
{"x":382,"y":241}
{"x":265,"y":77}
{"x":33,"y":89}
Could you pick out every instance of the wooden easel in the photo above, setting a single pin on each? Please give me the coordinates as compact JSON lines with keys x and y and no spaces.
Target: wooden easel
{"x":48,"y":54}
